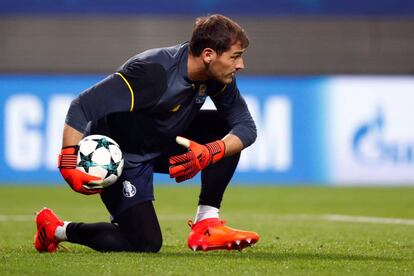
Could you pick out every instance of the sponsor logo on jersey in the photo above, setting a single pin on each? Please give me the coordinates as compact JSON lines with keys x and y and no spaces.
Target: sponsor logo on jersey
{"x":129,"y":190}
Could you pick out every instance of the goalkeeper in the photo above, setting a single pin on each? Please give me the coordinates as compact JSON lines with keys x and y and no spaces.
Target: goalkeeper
{"x":151,"y":107}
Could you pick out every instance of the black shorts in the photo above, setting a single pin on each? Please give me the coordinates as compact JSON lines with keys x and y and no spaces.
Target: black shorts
{"x":134,"y":186}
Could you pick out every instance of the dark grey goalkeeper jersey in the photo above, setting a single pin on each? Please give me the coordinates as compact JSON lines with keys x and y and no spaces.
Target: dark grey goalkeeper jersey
{"x":150,"y":100}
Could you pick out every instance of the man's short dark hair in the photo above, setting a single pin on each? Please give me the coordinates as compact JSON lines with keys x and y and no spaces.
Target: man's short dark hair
{"x":217,"y":32}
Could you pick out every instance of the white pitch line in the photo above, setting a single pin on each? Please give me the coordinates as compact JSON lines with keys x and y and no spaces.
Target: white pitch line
{"x":6,"y":218}
{"x":378,"y":220}
{"x":266,"y":217}
{"x":334,"y":217}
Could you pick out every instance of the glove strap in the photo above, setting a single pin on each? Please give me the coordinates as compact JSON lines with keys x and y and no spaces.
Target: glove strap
{"x":68,"y":157}
{"x":217,"y":150}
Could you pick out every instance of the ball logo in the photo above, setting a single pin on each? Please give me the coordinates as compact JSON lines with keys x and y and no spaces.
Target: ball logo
{"x":129,"y":190}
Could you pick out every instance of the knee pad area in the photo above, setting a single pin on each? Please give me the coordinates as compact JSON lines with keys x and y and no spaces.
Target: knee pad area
{"x":147,"y":244}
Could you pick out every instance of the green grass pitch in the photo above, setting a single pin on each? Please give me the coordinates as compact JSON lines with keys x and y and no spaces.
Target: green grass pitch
{"x":304,"y":230}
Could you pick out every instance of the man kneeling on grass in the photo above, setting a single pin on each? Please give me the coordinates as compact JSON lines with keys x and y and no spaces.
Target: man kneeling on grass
{"x":148,"y":106}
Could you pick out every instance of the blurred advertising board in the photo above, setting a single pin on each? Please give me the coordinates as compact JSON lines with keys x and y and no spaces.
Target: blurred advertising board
{"x":201,"y":7}
{"x":311,"y":130}
{"x":370,"y":130}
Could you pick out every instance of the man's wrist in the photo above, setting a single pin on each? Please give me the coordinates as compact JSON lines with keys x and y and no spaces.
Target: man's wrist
{"x":68,"y":157}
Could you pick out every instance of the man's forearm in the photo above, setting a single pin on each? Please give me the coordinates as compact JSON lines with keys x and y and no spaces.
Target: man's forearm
{"x":71,"y":136}
{"x":233,"y":144}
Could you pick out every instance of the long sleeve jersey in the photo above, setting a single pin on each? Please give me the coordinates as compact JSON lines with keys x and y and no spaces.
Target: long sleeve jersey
{"x":150,"y":100}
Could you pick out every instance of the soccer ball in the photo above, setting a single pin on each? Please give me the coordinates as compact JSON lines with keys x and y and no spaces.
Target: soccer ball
{"x":100,"y":156}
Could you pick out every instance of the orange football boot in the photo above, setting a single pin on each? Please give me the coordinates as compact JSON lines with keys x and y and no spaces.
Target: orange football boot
{"x":47,"y":222}
{"x":212,"y":233}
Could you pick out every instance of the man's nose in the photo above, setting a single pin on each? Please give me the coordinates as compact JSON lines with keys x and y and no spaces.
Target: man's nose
{"x":240,"y":64}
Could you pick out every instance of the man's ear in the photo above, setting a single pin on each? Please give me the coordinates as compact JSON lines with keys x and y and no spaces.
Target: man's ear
{"x":208,"y":55}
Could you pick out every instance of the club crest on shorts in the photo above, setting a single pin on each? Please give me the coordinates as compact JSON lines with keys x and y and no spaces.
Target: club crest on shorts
{"x":202,"y":95}
{"x":129,"y":190}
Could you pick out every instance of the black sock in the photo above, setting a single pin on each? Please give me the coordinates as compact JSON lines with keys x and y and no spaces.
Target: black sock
{"x":135,"y":229}
{"x":214,"y":180}
{"x":100,"y":236}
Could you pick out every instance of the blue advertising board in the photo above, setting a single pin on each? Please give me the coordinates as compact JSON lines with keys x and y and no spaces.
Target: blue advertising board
{"x":311,"y":130}
{"x":287,"y":112}
{"x":200,"y":7}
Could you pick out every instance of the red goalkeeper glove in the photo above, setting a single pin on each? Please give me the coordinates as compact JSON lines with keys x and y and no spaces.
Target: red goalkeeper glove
{"x":79,"y":181}
{"x":187,"y":165}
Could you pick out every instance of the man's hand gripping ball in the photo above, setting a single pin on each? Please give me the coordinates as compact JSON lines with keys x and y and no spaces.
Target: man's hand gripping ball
{"x":187,"y":165}
{"x":79,"y":181}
